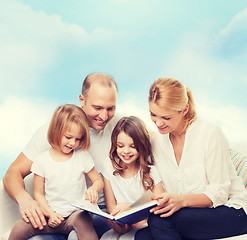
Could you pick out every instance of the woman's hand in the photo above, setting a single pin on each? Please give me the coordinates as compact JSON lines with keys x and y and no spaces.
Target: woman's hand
{"x":92,"y":195}
{"x":55,"y":219}
{"x":168,"y":204}
{"x":118,"y":227}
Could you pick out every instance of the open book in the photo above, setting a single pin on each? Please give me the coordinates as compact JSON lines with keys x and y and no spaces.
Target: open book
{"x":137,"y":211}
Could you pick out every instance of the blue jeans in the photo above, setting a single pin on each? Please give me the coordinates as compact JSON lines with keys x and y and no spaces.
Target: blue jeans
{"x":72,"y":236}
{"x":196,"y":223}
{"x":49,"y":237}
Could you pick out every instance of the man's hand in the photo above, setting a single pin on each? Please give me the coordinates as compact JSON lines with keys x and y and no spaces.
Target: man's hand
{"x":31,"y":212}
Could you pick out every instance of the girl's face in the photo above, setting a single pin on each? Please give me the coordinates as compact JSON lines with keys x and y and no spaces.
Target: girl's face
{"x":70,"y":139}
{"x":166,"y":120}
{"x":126,"y":150}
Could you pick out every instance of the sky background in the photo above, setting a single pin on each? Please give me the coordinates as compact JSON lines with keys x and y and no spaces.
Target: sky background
{"x":48,"y":47}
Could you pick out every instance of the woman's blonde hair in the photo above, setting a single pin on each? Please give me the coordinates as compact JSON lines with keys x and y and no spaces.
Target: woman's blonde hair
{"x":135,"y":128}
{"x":172,"y":94}
{"x":63,"y":117}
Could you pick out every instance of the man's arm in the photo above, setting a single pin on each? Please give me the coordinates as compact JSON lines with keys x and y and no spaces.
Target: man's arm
{"x":14,"y":184}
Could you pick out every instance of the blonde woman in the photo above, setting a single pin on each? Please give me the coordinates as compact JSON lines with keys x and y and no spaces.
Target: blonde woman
{"x":203,"y":199}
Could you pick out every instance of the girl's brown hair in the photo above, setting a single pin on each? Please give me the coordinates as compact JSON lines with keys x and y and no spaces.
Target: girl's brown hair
{"x":63,"y":117}
{"x":135,"y":128}
{"x":172,"y":94}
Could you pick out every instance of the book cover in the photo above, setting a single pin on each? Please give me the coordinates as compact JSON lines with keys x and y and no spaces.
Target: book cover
{"x":137,"y":211}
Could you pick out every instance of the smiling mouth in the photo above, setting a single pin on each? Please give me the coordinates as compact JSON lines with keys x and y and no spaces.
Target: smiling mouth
{"x":100,"y":122}
{"x":127,"y":157}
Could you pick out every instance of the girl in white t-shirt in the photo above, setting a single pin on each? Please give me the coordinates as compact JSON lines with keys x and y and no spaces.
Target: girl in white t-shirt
{"x":129,"y":173}
{"x":59,"y":179}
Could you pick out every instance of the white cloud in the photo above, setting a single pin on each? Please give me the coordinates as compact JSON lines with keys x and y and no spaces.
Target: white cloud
{"x":231,"y":119}
{"x":32,"y":43}
{"x":20,"y":118}
{"x":237,"y":25}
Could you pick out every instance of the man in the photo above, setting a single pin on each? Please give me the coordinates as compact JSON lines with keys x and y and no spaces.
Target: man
{"x":98,"y":101}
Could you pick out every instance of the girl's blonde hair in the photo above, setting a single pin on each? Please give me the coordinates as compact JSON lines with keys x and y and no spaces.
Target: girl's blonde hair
{"x":63,"y":117}
{"x":135,"y":128}
{"x":172,"y":94}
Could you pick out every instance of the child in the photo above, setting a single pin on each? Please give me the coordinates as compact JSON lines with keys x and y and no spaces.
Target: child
{"x":59,"y":178}
{"x":129,"y":173}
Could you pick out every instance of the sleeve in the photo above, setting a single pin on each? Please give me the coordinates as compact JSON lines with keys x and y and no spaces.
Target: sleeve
{"x":88,"y":161}
{"x":217,"y":165}
{"x":38,"y":166}
{"x":37,"y":144}
{"x":108,"y":170}
{"x":155,"y":175}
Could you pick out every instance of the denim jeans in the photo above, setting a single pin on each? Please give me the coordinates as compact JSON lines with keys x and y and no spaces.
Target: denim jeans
{"x":49,"y":237}
{"x":196,"y":223}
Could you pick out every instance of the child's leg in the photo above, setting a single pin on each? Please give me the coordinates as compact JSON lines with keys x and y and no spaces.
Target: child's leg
{"x":82,"y":223}
{"x":23,"y":230}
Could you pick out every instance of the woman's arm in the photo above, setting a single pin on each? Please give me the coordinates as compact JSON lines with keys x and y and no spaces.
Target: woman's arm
{"x":97,"y":186}
{"x":170,"y":203}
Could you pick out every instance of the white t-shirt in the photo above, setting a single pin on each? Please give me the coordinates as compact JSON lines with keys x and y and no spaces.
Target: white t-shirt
{"x":64,"y":181}
{"x":127,"y":189}
{"x":205,"y":166}
{"x":99,"y":148}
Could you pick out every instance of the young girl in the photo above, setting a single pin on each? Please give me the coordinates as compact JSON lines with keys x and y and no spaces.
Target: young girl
{"x":129,"y":173}
{"x":59,"y":178}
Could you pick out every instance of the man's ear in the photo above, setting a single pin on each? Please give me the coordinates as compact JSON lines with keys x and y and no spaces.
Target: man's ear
{"x":82,"y":100}
{"x":186,"y":109}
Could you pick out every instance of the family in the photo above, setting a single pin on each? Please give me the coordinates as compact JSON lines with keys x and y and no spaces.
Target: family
{"x":95,"y":154}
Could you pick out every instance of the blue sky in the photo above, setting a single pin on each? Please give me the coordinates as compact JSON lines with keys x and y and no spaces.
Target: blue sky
{"x":48,"y":47}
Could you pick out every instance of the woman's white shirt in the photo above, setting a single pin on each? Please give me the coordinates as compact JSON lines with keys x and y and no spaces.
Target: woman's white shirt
{"x":205,"y":166}
{"x":64,"y":181}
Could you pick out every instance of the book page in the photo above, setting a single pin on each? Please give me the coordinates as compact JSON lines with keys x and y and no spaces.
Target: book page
{"x":146,"y":197}
{"x":93,"y":208}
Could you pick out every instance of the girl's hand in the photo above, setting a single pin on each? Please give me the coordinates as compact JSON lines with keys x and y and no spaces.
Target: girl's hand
{"x":168,"y":204}
{"x":92,"y":195}
{"x":118,"y":227}
{"x":122,"y":206}
{"x":55,"y":219}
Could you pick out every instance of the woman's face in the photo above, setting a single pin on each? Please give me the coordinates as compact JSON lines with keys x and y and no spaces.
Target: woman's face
{"x":166,"y":120}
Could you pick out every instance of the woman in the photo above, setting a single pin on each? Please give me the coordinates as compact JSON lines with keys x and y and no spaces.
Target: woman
{"x":203,"y":199}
